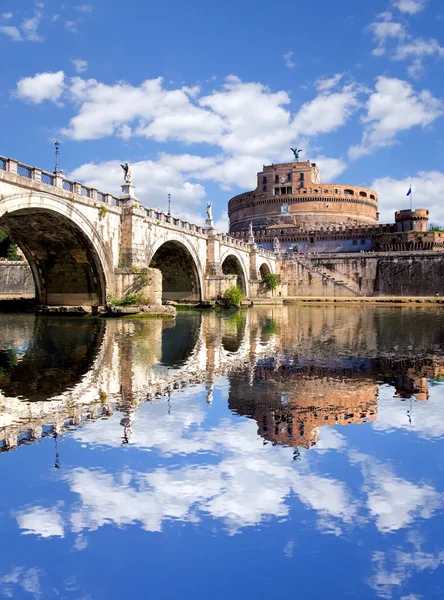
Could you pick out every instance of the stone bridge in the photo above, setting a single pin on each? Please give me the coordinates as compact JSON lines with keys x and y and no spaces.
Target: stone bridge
{"x":85,"y":246}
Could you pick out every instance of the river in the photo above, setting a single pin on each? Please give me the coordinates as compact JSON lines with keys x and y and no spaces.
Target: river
{"x":280,"y":451}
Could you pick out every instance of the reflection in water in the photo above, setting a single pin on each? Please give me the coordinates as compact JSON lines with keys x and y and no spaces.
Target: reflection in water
{"x":195,"y":403}
{"x":58,"y":353}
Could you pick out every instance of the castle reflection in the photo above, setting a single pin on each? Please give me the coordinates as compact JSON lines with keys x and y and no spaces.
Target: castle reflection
{"x":291,"y":369}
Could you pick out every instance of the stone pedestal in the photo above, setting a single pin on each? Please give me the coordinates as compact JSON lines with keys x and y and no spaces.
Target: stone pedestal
{"x":128,"y":196}
{"x":209,"y":223}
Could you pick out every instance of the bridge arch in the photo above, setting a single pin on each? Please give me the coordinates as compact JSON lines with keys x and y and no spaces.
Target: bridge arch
{"x":181,"y":269}
{"x":232,"y":264}
{"x":68,"y":260}
{"x":264,"y":270}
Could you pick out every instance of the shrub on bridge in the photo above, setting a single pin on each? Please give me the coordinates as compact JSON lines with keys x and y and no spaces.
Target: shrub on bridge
{"x":129,"y":300}
{"x":233,"y":296}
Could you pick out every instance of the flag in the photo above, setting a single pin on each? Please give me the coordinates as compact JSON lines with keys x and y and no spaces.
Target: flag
{"x":410,"y":191}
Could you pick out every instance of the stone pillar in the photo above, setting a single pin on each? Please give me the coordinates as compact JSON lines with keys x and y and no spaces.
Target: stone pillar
{"x":253,"y":261}
{"x":58,"y":180}
{"x":12,"y":166}
{"x":214,"y":266}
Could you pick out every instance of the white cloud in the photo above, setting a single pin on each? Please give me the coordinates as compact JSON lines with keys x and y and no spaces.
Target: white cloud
{"x":392,"y":501}
{"x":327,"y":112}
{"x":324,"y":84}
{"x":243,"y":485}
{"x":71,"y":26}
{"x":416,"y":69}
{"x":80,"y":65}
{"x":84,"y":8}
{"x":394,"y":568}
{"x":289,"y":59}
{"x":410,"y":7}
{"x":44,"y":522}
{"x":158,"y":113}
{"x":428,"y":191}
{"x":330,"y":168}
{"x":222,"y":224}
{"x":12,"y":32}
{"x":384,"y":29}
{"x":404,"y":45}
{"x":27,"y":579}
{"x":30,"y":27}
{"x":26,"y":31}
{"x":41,"y":87}
{"x":418,"y":47}
{"x":249,"y":124}
{"x":394,"y":107}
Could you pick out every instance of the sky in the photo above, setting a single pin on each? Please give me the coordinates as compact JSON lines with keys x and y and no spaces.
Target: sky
{"x":198,"y":96}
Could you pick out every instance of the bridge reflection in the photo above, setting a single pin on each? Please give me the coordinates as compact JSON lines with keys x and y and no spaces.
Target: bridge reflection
{"x":291,"y":370}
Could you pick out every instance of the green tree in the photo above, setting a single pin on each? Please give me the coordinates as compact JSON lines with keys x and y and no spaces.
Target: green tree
{"x":271,"y":281}
{"x":8,"y":248}
{"x":435,"y":227}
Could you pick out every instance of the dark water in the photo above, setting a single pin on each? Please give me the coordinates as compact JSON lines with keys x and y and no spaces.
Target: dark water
{"x":290,"y":452}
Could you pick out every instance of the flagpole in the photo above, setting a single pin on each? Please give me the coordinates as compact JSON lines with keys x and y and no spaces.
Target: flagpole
{"x":411,"y":198}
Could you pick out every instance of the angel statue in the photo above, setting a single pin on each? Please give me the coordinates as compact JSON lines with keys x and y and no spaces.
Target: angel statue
{"x":128,"y":175}
{"x":296,"y":153}
{"x":250,"y":230}
{"x":209,"y":210}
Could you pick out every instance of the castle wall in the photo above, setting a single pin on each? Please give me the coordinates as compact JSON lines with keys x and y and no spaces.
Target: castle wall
{"x":293,"y":193}
{"x":373,"y":274}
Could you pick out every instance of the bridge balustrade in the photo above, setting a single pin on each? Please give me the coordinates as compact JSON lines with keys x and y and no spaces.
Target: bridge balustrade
{"x":68,"y":186}
{"x":47,"y":178}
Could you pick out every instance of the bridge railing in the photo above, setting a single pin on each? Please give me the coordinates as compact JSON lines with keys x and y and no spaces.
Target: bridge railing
{"x":160,"y":217}
{"x":56,"y":179}
{"x":227,"y":239}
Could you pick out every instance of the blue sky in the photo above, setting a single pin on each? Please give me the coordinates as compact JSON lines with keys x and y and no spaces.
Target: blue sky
{"x":198,"y":95}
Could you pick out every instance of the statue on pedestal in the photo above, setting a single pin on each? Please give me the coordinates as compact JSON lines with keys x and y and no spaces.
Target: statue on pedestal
{"x":276,"y":245}
{"x":296,"y":153}
{"x":250,"y":230}
{"x":209,"y":210}
{"x":128,"y":174}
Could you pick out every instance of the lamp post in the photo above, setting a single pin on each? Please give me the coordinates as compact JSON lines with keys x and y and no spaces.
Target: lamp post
{"x":169,"y":205}
{"x":57,"y":146}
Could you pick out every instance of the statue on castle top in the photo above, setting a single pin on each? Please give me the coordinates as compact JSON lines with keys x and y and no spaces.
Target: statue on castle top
{"x":128,"y":174}
{"x":209,"y":210}
{"x":296,"y":153}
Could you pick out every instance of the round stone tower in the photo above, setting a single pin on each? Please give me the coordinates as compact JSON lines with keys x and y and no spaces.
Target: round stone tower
{"x":412,"y":220}
{"x":292,"y":194}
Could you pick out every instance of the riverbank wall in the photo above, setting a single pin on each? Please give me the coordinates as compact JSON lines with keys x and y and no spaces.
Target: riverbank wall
{"x":348,"y":276}
{"x":393,"y":274}
{"x":16,"y":280}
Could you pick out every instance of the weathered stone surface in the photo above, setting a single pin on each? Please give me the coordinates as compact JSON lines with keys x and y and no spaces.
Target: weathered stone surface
{"x":16,"y":280}
{"x":65,"y":310}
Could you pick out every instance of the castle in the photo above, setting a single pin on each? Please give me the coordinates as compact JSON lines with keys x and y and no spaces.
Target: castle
{"x":293,"y":211}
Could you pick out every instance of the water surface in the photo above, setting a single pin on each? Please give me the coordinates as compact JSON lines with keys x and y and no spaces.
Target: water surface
{"x":290,"y":450}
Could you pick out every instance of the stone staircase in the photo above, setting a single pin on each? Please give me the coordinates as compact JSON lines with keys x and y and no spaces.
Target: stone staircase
{"x":340,"y":280}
